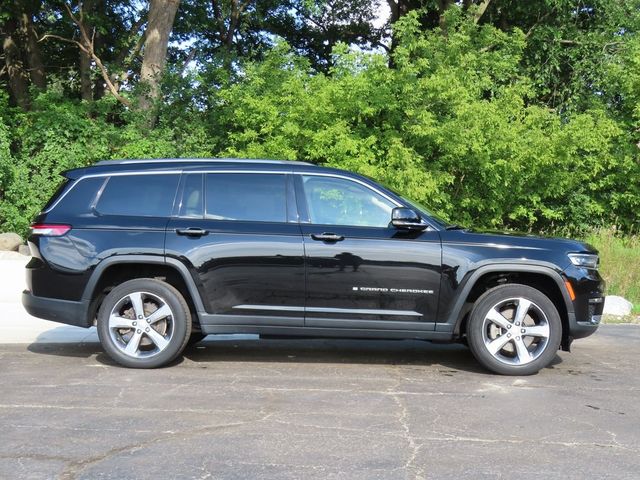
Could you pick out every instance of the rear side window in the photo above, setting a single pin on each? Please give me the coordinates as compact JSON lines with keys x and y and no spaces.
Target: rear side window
{"x":138,"y":195}
{"x":254,"y":197}
{"x":79,"y":197}
{"x":63,"y":186}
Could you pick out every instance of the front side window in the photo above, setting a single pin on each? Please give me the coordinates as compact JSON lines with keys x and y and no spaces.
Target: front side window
{"x":138,"y":195}
{"x":250,"y":197}
{"x":338,"y":201}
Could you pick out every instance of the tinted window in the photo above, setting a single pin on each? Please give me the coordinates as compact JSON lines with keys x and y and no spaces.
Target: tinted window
{"x":138,"y":195}
{"x":246,"y":196}
{"x":337,"y":201}
{"x":62,"y":186}
{"x":192,"y":197}
{"x":79,"y":198}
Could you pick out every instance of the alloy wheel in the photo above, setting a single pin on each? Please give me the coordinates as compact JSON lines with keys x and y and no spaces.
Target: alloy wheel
{"x":141,"y":324}
{"x":515,"y":331}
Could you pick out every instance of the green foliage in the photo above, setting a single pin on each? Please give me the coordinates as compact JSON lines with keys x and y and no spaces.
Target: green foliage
{"x":6,"y":160}
{"x":460,"y":123}
{"x":453,"y":126}
{"x":617,"y":254}
{"x":59,"y":134}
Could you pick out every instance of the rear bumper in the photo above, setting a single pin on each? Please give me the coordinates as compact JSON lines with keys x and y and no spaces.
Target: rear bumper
{"x":61,"y":311}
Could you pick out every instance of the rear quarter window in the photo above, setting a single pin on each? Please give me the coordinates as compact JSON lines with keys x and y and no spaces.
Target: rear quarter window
{"x":77,"y":198}
{"x":138,"y":195}
{"x":62,"y":187}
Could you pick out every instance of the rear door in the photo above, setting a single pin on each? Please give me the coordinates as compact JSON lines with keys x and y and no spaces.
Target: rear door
{"x":238,"y":233}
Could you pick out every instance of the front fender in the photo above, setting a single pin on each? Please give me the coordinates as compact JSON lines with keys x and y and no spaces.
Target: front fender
{"x":453,"y":312}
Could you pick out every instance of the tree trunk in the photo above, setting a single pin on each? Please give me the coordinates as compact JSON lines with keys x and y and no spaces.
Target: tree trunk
{"x":227,"y":33}
{"x":86,"y":83}
{"x":482,"y":7}
{"x":34,"y":58}
{"x":86,"y":86}
{"x":18,"y":80}
{"x":443,"y":5}
{"x":99,"y":86}
{"x":161,"y":16}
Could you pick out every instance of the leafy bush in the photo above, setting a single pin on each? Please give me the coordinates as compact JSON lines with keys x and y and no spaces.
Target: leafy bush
{"x":454,"y":124}
{"x":618,"y":255}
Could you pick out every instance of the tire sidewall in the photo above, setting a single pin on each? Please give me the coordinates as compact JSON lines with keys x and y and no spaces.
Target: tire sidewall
{"x":181,"y":318}
{"x":491,"y":298}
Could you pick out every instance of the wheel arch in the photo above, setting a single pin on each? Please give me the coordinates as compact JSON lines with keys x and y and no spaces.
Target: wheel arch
{"x":115,"y":270}
{"x":543,"y":278}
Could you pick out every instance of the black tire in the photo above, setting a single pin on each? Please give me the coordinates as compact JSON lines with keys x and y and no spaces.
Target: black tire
{"x":516,"y":345}
{"x":150,"y":313}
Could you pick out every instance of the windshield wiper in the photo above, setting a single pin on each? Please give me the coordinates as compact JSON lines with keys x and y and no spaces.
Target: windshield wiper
{"x":454,"y":227}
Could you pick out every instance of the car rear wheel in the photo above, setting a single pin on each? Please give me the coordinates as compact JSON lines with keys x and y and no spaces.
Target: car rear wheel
{"x":514,"y":330}
{"x":144,"y":323}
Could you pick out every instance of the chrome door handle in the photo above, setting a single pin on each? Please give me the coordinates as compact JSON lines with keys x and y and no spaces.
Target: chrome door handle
{"x":327,"y":237}
{"x":191,"y":232}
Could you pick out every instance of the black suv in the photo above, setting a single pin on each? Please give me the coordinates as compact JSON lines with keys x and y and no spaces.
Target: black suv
{"x":160,"y":253}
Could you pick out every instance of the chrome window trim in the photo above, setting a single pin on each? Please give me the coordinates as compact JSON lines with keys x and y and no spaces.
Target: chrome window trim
{"x":98,"y":197}
{"x":355,"y":180}
{"x":122,"y":174}
{"x":53,"y":205}
{"x":113,"y":174}
{"x":366,"y":185}
{"x":430,"y":226}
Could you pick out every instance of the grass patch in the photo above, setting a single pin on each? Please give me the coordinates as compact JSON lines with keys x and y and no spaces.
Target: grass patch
{"x":613,"y":320}
{"x":619,"y":261}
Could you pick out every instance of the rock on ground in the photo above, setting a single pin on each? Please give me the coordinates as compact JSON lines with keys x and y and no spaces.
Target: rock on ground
{"x":618,"y":306}
{"x":10,"y":241}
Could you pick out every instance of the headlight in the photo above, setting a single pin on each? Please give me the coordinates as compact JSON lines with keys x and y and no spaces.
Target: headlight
{"x":586,"y":260}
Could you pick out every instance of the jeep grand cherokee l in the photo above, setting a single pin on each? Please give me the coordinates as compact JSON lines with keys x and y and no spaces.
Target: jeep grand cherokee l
{"x":158,"y":253}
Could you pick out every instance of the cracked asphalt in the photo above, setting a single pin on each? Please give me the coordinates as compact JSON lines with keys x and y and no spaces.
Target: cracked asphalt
{"x":305,"y":409}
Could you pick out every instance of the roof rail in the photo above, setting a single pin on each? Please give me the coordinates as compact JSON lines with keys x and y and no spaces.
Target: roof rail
{"x":197,"y":160}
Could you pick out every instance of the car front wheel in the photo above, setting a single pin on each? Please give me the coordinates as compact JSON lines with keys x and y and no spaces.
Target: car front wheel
{"x":144,"y":323}
{"x":514,"y":330}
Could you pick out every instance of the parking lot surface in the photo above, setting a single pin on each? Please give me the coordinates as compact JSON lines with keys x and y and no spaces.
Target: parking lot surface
{"x":243,"y":409}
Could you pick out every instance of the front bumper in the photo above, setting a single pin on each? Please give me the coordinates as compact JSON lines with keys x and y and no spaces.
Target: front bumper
{"x":589,"y":287}
{"x":61,"y":311}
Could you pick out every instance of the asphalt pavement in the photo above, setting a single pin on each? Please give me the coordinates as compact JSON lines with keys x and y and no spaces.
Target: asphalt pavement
{"x":306,"y":409}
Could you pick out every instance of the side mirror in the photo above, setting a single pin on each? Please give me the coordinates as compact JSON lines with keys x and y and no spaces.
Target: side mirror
{"x":407,"y":219}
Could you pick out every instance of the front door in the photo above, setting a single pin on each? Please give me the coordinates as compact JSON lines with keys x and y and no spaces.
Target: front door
{"x":243,"y":246}
{"x":363,"y":273}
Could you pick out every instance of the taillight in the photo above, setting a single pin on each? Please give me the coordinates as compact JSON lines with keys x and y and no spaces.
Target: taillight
{"x":49,"y":230}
